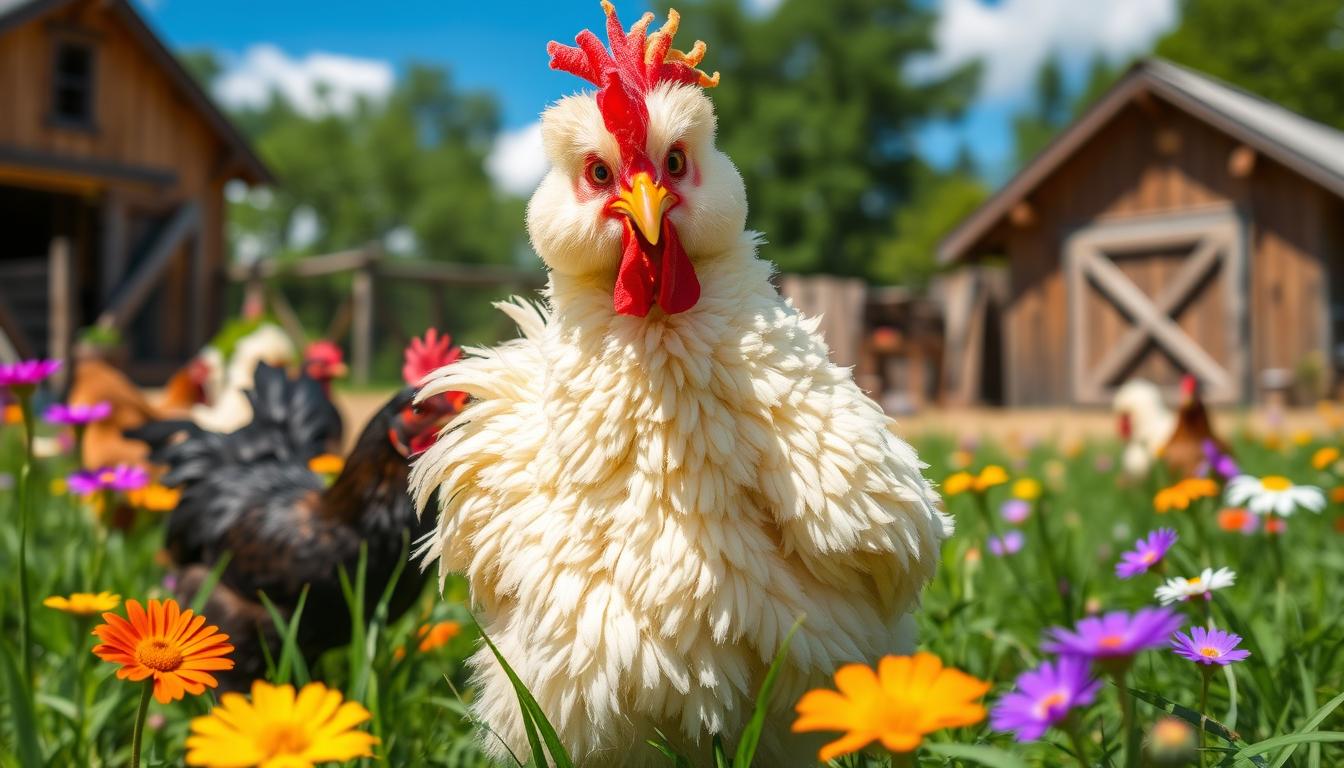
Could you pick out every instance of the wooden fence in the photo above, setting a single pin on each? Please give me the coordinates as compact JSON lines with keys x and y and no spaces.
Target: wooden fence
{"x":368,"y":267}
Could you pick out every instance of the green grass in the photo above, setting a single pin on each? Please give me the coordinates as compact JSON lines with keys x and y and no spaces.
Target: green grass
{"x":1282,"y":707}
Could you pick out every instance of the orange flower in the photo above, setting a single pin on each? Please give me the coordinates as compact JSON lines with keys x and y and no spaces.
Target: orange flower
{"x":155,"y":498}
{"x":1236,"y":520}
{"x":167,"y":643}
{"x":1171,"y":498}
{"x":435,"y":636}
{"x":1275,"y":525}
{"x":1199,"y":487}
{"x":906,"y":698}
{"x":958,"y":483}
{"x":1339,"y":525}
{"x":989,"y":477}
{"x":1324,"y":457}
{"x":327,"y":464}
{"x":1337,"y":494}
{"x":83,"y":603}
{"x":13,"y":414}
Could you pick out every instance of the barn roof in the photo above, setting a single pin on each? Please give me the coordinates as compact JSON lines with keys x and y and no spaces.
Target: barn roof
{"x":16,"y":12}
{"x":1309,"y":148}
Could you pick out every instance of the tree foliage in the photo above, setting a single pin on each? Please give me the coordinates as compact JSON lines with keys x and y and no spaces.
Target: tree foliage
{"x":818,"y":110}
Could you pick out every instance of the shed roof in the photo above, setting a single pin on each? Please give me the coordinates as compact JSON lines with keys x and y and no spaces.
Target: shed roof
{"x":1309,"y":148}
{"x":15,"y":12}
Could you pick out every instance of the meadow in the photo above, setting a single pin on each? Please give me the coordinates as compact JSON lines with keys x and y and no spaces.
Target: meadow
{"x":1040,"y":529}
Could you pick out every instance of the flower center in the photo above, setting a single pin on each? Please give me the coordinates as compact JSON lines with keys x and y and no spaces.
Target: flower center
{"x":1045,"y":708}
{"x":1275,"y":483}
{"x":1210,"y":652}
{"x":158,"y":654}
{"x":1111,"y":642}
{"x":1192,"y":582}
{"x":1149,"y":557}
{"x":106,"y":477}
{"x":283,"y":739}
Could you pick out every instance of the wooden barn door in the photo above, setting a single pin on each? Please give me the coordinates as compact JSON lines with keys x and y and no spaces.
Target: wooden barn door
{"x":1154,"y":298}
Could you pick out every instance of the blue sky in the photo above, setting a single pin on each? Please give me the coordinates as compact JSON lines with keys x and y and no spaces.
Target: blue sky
{"x":359,"y":46}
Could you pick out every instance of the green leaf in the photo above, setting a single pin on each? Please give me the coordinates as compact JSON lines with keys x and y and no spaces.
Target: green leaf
{"x":751,"y":735}
{"x":533,"y":717}
{"x":720,"y":755}
{"x":1190,"y":716}
{"x":988,"y":756}
{"x":1310,"y":726}
{"x":1269,"y":745}
{"x":289,"y":632}
{"x":21,"y":711}
{"x":211,"y":579}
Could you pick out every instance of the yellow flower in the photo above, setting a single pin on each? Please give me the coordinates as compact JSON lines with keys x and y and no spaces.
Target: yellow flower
{"x":906,"y":698}
{"x":58,"y":486}
{"x":155,"y":498}
{"x":84,"y":603}
{"x":1027,"y":489}
{"x":1324,"y":457}
{"x":1272,"y":441}
{"x":278,"y":729}
{"x":1199,"y":488}
{"x":1171,"y":498}
{"x":991,"y":476}
{"x":1302,"y":437}
{"x":962,"y":459}
{"x":435,"y":636}
{"x":961,"y":482}
{"x":327,"y":464}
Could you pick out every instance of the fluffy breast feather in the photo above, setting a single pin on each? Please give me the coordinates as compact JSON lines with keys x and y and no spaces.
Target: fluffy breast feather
{"x":644,"y":507}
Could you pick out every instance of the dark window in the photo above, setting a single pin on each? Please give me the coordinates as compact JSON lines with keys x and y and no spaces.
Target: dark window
{"x":72,"y":84}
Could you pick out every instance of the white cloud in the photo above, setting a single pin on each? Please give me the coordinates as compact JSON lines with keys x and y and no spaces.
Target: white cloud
{"x":316,"y":84}
{"x":1013,"y":37}
{"x":517,"y":162}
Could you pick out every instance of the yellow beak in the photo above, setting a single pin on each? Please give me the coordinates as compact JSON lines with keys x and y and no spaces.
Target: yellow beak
{"x":645,"y":202}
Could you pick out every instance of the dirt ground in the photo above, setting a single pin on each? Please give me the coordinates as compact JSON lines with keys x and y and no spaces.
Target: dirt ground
{"x":1061,"y":424}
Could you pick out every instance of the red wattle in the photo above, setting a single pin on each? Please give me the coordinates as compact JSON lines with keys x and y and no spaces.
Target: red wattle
{"x":648,"y":274}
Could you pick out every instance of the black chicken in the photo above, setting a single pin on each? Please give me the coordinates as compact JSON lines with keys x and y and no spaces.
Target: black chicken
{"x":251,"y":494}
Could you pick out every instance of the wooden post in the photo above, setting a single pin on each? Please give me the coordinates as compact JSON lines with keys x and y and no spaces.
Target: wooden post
{"x":200,"y":291}
{"x":112,"y":260}
{"x":361,"y":328}
{"x":60,"y":328}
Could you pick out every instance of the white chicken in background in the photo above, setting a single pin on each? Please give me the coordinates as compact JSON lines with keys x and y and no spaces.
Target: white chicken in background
{"x":665,"y":471}
{"x":228,"y":408}
{"x":1145,"y":424}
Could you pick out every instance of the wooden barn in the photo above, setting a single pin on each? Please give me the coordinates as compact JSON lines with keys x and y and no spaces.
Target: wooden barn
{"x":113,"y":163}
{"x":1179,"y":225}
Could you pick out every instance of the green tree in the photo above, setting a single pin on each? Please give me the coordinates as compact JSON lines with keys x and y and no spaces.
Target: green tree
{"x":1290,"y":52}
{"x":1048,"y":113}
{"x":940,"y":202}
{"x":818,"y":111}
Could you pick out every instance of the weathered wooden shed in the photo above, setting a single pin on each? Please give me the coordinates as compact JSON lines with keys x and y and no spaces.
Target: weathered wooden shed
{"x":1179,"y":225}
{"x":113,"y":163}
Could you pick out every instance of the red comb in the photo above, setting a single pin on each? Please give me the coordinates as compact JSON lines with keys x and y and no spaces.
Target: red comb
{"x":323,"y":350}
{"x":424,"y":356}
{"x":637,"y":60}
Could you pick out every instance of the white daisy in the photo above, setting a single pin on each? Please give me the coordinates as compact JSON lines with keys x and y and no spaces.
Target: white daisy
{"x":1273,"y":495}
{"x":1179,"y":589}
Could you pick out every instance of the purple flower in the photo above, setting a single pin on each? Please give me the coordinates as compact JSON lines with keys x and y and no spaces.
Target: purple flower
{"x":1043,"y":697}
{"x":1209,"y":646}
{"x":122,"y":477}
{"x":1009,"y":543}
{"x":1146,"y":553}
{"x":60,"y":413}
{"x":1219,"y":463}
{"x":26,"y":373}
{"x":1015,"y":511}
{"x":1114,"y":637}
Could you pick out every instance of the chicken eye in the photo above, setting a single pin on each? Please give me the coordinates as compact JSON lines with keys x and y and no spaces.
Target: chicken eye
{"x":676,"y":162}
{"x":599,"y":173}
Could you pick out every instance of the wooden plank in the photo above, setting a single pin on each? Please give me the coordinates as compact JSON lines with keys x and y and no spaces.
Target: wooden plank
{"x":289,"y":319}
{"x":91,"y":167}
{"x":129,"y":298}
{"x":112,"y":250}
{"x":361,"y":331}
{"x":61,"y":308}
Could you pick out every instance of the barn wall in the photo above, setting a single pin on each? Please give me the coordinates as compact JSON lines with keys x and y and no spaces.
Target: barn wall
{"x":150,"y":150}
{"x":1154,"y":159}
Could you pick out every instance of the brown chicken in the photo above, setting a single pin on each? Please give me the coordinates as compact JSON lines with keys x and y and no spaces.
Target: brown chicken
{"x":1193,"y":443}
{"x":96,"y":380}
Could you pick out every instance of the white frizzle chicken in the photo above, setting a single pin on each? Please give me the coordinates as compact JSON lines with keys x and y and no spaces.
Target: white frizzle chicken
{"x":665,"y":471}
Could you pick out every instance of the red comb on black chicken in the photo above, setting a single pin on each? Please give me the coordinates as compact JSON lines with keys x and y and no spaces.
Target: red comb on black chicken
{"x":251,"y":494}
